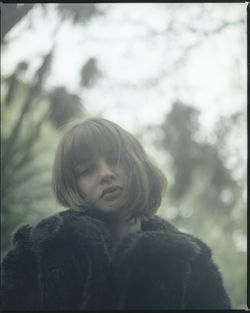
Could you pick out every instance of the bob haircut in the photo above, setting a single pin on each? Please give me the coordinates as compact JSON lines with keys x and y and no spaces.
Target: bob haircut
{"x":145,"y":183}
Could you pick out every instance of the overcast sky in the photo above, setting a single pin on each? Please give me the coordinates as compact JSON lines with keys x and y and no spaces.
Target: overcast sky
{"x":141,"y":76}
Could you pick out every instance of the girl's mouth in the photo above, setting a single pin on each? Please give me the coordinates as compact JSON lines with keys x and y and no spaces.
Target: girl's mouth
{"x":111,"y":192}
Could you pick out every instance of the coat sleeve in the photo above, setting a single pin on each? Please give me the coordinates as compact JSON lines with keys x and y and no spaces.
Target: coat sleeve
{"x":152,"y":270}
{"x":19,"y":274}
{"x":69,"y":251}
{"x":205,"y":289}
{"x":53,"y":266}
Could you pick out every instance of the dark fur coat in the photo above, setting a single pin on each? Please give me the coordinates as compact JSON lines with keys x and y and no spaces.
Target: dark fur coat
{"x":68,"y":262}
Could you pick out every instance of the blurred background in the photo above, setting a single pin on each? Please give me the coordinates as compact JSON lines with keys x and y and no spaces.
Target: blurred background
{"x":172,"y":74}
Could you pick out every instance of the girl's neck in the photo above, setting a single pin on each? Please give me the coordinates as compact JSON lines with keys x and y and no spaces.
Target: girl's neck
{"x":122,"y":228}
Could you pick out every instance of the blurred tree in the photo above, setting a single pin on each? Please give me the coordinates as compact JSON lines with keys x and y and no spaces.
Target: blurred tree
{"x":206,"y":195}
{"x":189,"y":153}
{"x":31,"y":114}
{"x":26,"y":111}
{"x":89,"y":73}
{"x":12,"y":81}
{"x":33,"y":107}
{"x":64,"y":106}
{"x":179,"y":135}
{"x":78,"y":13}
{"x":12,"y":14}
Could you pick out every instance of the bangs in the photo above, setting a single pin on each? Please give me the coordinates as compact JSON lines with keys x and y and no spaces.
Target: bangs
{"x":91,"y":140}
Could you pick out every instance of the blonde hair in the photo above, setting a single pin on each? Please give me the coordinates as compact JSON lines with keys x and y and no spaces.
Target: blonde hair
{"x":97,"y":136}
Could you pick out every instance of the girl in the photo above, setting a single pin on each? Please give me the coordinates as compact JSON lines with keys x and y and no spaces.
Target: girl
{"x":108,"y":250}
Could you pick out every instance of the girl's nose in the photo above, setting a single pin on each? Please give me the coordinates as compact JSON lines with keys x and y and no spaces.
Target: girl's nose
{"x":106,"y":171}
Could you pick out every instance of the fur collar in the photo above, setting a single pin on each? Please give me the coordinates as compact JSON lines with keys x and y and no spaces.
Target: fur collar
{"x":70,"y":226}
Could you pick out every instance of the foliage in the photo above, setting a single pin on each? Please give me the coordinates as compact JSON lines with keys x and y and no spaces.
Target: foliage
{"x":26,"y":158}
{"x":11,"y":14}
{"x":76,"y":13}
{"x":205,"y":198}
{"x":89,"y":73}
{"x":61,"y":111}
{"x":23,"y":172}
{"x":31,"y":117}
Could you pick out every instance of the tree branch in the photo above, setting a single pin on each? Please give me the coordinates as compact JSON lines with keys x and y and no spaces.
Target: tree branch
{"x":11,"y":14}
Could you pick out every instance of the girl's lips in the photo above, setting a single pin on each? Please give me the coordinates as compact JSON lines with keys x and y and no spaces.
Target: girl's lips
{"x":112,"y":195}
{"x":111,"y":192}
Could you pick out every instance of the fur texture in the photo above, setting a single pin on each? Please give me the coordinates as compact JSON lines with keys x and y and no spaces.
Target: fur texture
{"x":68,"y":262}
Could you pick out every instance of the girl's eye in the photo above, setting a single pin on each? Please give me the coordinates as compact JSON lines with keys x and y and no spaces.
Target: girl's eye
{"x":86,"y":171}
{"x":112,"y":160}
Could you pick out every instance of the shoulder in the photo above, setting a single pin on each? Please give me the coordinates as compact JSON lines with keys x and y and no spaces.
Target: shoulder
{"x":179,"y":244}
{"x":60,"y":230}
{"x":205,"y":288}
{"x":68,"y":227}
{"x":21,"y":247}
{"x":155,"y":264}
{"x":159,"y":244}
{"x":65,"y":221}
{"x":176,"y":263}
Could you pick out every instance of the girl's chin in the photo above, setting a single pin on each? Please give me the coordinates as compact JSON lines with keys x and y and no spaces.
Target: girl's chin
{"x":108,"y":209}
{"x":109,"y":212}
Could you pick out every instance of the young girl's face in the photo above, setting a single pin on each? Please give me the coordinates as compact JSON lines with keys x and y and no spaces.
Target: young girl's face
{"x":102,"y":181}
